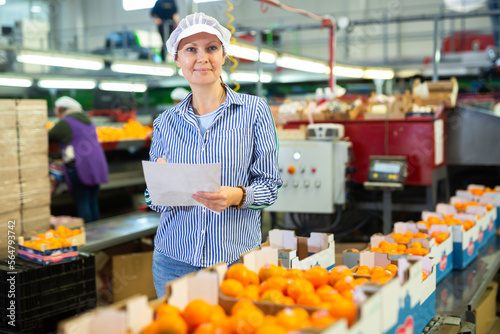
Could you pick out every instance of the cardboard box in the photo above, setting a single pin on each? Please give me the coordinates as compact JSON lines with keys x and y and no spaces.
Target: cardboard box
{"x":301,"y":252}
{"x":48,"y":256}
{"x":8,"y":115}
{"x":486,"y":309}
{"x":66,"y":221}
{"x":465,"y":248}
{"x":441,"y":254}
{"x":128,"y":271}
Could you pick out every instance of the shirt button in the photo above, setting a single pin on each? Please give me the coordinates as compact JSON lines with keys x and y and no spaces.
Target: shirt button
{"x":203,"y":149}
{"x":202,"y":231}
{"x":204,"y":210}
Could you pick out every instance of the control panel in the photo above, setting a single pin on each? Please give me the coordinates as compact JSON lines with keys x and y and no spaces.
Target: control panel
{"x":313,"y":174}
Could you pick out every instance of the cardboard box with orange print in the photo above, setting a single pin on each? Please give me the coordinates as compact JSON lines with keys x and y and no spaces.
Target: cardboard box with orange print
{"x":301,"y":252}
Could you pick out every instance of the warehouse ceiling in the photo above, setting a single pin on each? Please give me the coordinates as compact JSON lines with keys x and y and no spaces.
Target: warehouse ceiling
{"x":373,"y":33}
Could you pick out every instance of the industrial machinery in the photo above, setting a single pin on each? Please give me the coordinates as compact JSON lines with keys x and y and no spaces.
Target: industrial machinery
{"x":314,"y":176}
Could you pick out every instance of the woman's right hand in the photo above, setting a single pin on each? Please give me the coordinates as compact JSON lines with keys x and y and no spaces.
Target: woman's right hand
{"x":161,"y":160}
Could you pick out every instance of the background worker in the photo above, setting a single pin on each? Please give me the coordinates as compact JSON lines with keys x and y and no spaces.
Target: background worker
{"x":213,"y":124}
{"x":164,"y":12}
{"x":85,"y":165}
{"x":178,"y":95}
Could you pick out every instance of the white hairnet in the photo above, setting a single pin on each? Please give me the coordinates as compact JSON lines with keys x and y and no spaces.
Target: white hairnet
{"x":67,"y":102}
{"x":194,"y":24}
{"x":179,"y":94}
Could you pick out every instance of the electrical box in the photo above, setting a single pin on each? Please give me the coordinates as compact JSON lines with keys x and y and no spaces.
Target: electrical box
{"x":313,"y":174}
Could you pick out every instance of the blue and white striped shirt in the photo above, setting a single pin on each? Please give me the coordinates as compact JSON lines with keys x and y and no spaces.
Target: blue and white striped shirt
{"x":243,"y":139}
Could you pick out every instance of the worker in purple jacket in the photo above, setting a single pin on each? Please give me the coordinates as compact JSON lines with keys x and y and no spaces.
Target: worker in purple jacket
{"x":85,"y":166}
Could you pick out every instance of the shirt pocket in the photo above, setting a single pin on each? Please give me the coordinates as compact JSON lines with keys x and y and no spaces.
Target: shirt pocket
{"x":233,"y":147}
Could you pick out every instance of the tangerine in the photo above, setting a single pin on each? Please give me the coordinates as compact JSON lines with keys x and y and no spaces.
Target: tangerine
{"x":197,"y":312}
{"x":317,"y":275}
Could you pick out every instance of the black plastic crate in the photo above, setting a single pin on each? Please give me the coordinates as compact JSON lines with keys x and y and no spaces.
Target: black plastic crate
{"x":46,"y":292}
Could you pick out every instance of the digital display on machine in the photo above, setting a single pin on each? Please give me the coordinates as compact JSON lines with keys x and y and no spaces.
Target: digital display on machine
{"x":385,"y":167}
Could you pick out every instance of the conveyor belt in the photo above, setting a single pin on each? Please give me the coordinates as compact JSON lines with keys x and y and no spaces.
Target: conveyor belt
{"x":461,"y":290}
{"x":118,"y":230}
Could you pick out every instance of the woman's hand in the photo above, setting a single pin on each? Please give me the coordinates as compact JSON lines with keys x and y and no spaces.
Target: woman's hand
{"x":220,"y":201}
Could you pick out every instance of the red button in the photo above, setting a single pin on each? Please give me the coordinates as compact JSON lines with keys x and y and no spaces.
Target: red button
{"x":313,"y":170}
{"x":291,"y":170}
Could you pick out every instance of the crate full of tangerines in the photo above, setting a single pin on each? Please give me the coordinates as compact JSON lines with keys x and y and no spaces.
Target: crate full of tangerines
{"x":54,"y":246}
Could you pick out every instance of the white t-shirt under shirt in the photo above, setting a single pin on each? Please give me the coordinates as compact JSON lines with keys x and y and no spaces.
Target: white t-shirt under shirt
{"x":204,"y":121}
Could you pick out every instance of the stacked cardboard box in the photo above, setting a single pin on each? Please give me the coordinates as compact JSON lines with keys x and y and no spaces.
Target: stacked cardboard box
{"x":24,"y":176}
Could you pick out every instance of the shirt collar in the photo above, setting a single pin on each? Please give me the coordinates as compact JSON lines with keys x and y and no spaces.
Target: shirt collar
{"x":231,"y":98}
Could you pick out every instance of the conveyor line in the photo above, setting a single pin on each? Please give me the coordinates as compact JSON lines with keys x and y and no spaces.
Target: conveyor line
{"x":118,"y":230}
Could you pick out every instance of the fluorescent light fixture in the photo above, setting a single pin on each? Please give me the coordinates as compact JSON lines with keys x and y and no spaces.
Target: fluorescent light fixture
{"x":378,"y":74}
{"x":145,"y":68}
{"x":61,"y":60}
{"x":137,"y":4}
{"x":347,"y":71}
{"x":250,"y":52}
{"x":250,"y":77}
{"x":66,"y":84}
{"x":302,"y":64}
{"x":12,"y":81}
{"x":36,"y":9}
{"x":408,"y":73}
{"x":122,"y":86}
{"x":2,"y":2}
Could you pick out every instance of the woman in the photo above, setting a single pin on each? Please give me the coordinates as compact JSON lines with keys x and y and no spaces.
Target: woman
{"x":85,"y":165}
{"x":213,"y":124}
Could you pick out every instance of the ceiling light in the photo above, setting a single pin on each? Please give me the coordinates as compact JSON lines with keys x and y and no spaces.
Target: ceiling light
{"x":36,"y":9}
{"x":123,"y":86}
{"x":137,"y":4}
{"x":250,"y":77}
{"x":66,"y":84}
{"x":61,"y":60}
{"x":378,"y":74}
{"x":2,"y":2}
{"x":250,"y":52}
{"x":145,"y":68}
{"x":408,"y":73}
{"x":302,"y":64}
{"x":15,"y":81}
{"x":346,"y":71}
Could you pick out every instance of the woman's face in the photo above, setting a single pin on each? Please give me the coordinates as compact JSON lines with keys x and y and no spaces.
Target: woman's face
{"x":200,"y":57}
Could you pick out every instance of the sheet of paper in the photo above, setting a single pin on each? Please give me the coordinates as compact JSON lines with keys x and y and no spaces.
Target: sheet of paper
{"x":173,"y":184}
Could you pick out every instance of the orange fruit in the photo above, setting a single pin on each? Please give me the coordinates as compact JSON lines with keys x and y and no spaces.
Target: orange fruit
{"x":271,"y":329}
{"x":392,"y":268}
{"x":317,"y":275}
{"x":171,"y":325}
{"x":251,"y":292}
{"x":309,"y":299}
{"x":254,"y":277}
{"x":273,"y":296}
{"x":152,"y":328}
{"x":288,"y":301}
{"x":205,"y":329}
{"x":231,"y":287}
{"x":294,"y":273}
{"x":292,"y":319}
{"x":321,"y":319}
{"x":197,"y":312}
{"x":242,"y":306}
{"x":167,"y":310}
{"x":337,"y":273}
{"x":345,"y":283}
{"x":274,"y":282}
{"x":240,"y":273}
{"x":270,"y":270}
{"x":299,"y":286}
{"x":345,"y":309}
{"x":247,"y":320}
{"x":363,"y":270}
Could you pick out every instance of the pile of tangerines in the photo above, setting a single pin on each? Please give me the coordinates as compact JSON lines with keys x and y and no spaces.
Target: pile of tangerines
{"x":405,"y":238}
{"x":481,"y":192}
{"x":52,"y":239}
{"x":130,"y":130}
{"x":448,"y":220}
{"x":415,"y":248}
{"x":462,"y":206}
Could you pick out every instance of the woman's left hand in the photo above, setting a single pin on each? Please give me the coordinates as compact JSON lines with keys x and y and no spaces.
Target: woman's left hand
{"x":220,"y":201}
